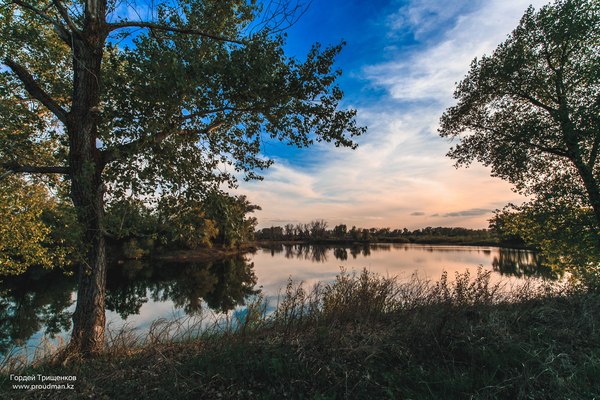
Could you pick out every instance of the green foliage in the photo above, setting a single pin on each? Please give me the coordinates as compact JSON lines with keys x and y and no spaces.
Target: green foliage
{"x":193,"y":103}
{"x":29,"y":228}
{"x":179,"y":223}
{"x":28,"y":131}
{"x":230,"y":216}
{"x":563,"y":236}
{"x":130,"y":218}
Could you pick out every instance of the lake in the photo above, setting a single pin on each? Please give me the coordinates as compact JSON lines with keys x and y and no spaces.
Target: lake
{"x":39,"y":304}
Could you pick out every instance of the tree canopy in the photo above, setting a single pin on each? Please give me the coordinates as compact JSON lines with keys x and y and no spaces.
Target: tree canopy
{"x":531,"y":110}
{"x":169,"y":98}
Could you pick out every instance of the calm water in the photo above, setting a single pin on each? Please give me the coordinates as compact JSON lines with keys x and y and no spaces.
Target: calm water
{"x":138,"y":293}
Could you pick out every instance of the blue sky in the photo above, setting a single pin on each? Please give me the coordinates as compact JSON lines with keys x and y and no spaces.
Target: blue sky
{"x":400,"y":66}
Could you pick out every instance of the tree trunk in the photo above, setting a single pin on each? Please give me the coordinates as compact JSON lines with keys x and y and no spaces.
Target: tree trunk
{"x":87,"y":191}
{"x":89,"y":317}
{"x":585,"y":171}
{"x":592,"y":187}
{"x":572,"y":137}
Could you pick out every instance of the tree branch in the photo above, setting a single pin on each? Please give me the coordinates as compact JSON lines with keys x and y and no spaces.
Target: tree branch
{"x":36,"y":91}
{"x":62,"y":32}
{"x":128,"y":149}
{"x":557,"y":151}
{"x":552,"y":111}
{"x":552,"y":150}
{"x":33,"y":169}
{"x":135,"y":146}
{"x":165,"y":28}
{"x":64,"y":13}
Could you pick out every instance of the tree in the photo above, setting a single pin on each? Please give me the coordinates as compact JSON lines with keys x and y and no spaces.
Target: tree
{"x":230,"y":214}
{"x":340,"y":231}
{"x":318,"y":229}
{"x":531,"y":110}
{"x":198,"y":86}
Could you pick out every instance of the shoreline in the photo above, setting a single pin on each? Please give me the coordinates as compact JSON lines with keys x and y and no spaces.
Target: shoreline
{"x":440,"y":242}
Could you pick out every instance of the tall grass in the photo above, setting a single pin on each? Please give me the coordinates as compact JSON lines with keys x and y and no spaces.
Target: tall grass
{"x":364,"y":336}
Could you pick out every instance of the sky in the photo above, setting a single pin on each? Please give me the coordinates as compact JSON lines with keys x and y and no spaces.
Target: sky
{"x":400,"y":65}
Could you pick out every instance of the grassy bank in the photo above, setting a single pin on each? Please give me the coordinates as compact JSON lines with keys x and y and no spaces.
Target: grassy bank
{"x":362,"y":337}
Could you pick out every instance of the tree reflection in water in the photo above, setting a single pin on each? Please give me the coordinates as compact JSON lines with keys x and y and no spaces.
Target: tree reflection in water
{"x":39,"y":300}
{"x":36,"y":300}
{"x":522,"y":263}
{"x":319,"y":253}
{"x":313,"y":253}
{"x":222,"y":284}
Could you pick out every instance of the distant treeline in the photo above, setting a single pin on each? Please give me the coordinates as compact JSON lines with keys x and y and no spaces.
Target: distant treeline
{"x":318,"y":231}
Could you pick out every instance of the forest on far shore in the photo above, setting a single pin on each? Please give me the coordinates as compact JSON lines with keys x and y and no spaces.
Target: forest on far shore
{"x":318,"y":231}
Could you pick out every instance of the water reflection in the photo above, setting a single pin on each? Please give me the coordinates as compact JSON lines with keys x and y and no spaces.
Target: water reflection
{"x":37,"y":300}
{"x":522,"y":263}
{"x":40,"y":302}
{"x":317,"y":254}
{"x":221,"y":285}
{"x":320,"y":253}
{"x":507,"y":262}
{"x":311,"y":264}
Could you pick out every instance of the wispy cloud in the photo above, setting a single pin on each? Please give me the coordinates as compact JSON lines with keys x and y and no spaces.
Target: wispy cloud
{"x":400,"y":164}
{"x":467,"y":213}
{"x":430,"y":71}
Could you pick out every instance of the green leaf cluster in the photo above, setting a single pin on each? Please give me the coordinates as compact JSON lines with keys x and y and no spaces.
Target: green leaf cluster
{"x":34,"y":230}
{"x":175,"y":222}
{"x":562,"y":234}
{"x":198,"y":112}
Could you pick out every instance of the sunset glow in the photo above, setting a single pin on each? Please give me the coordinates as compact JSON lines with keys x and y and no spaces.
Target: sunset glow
{"x":400,"y":66}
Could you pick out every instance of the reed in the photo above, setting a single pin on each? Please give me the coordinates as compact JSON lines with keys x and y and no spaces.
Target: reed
{"x":362,"y":336}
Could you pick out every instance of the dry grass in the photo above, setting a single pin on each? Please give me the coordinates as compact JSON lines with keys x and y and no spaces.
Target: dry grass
{"x":361,"y":337}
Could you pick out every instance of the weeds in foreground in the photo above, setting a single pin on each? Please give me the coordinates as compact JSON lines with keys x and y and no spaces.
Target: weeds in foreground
{"x":364,"y":336}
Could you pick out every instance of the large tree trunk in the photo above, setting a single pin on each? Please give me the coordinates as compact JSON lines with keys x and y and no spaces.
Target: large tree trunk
{"x":89,"y":317}
{"x":87,"y":189}
{"x":572,"y":137}
{"x":592,"y":187}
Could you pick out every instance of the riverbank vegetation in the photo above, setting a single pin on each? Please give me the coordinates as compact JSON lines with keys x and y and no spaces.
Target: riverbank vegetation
{"x":41,"y":229}
{"x":363,"y":336}
{"x":317,"y":231}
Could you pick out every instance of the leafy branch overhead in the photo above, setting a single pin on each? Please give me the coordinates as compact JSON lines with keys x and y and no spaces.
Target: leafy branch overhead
{"x":213,"y":95}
